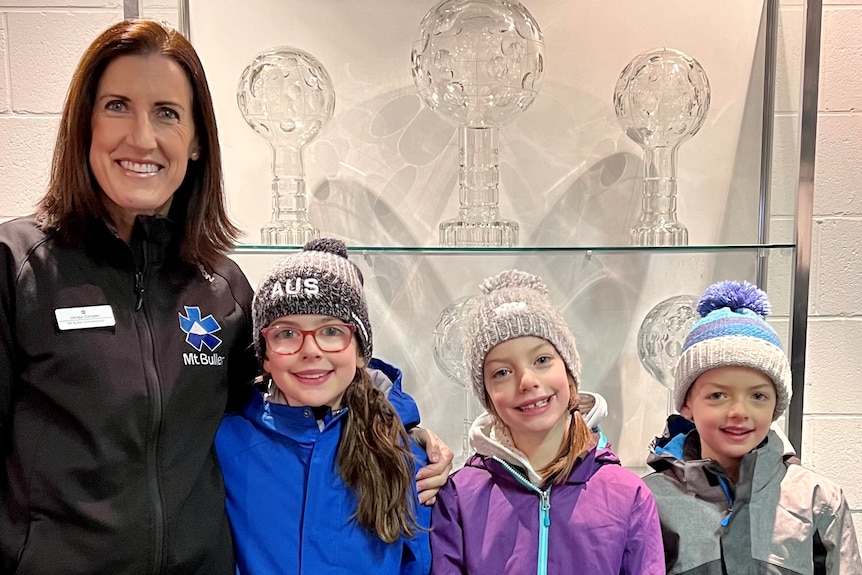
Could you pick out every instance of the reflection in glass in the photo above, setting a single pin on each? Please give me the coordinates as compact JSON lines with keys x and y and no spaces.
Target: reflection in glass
{"x":478,"y":63}
{"x":662,"y":334}
{"x":661,"y":100}
{"x":449,"y":341}
{"x":448,"y":348}
{"x":286,"y":96}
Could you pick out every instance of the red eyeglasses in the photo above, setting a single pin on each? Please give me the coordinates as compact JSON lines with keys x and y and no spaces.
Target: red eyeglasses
{"x":287,"y":340}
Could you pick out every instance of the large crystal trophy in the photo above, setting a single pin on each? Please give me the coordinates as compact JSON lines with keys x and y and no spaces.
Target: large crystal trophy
{"x":478,"y":63}
{"x":661,"y":100}
{"x":286,"y":96}
{"x":448,"y":347}
{"x":662,"y":334}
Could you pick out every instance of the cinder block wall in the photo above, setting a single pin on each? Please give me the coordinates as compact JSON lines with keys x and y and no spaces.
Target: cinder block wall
{"x":832,"y":434}
{"x":41,"y":40}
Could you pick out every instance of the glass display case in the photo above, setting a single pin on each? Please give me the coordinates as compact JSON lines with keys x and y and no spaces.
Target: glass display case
{"x":383,"y":174}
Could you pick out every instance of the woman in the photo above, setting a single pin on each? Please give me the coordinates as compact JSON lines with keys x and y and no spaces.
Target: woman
{"x":124,"y":328}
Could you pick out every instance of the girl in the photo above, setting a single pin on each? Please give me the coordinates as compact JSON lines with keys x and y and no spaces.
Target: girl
{"x":319,"y":470}
{"x":538,"y":496}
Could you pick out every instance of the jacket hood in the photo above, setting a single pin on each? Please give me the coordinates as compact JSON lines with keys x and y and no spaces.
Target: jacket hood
{"x":593,"y":408}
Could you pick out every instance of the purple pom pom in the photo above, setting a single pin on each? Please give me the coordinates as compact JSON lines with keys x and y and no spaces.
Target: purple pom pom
{"x":736,"y":296}
{"x":329,"y":245}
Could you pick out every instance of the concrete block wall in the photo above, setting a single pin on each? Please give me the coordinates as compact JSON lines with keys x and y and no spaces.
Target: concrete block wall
{"x":41,"y":40}
{"x":40,"y":43}
{"x":832,"y":433}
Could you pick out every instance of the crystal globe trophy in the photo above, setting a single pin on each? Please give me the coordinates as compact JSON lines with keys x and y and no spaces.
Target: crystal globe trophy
{"x":449,"y":343}
{"x":661,"y":100}
{"x":662,"y":334}
{"x":286,"y":96}
{"x":478,"y":63}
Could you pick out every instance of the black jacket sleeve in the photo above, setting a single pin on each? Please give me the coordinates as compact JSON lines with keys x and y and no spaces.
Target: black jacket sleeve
{"x":8,"y":360}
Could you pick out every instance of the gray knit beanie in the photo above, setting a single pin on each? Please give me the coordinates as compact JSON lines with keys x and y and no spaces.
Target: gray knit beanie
{"x":515,"y":304}
{"x":319,"y":280}
{"x":733,"y":331}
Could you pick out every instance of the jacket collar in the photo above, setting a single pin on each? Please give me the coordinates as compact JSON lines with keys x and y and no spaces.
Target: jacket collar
{"x":386,"y":378}
{"x":678,"y":452}
{"x":156,"y":236}
{"x":492,"y":440}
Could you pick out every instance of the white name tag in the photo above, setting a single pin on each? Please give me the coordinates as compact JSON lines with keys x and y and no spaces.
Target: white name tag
{"x":84,"y":317}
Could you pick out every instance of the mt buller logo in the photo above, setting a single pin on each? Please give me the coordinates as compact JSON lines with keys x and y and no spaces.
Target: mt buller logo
{"x":199,"y":331}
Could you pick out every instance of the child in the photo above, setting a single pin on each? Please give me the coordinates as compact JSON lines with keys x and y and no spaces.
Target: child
{"x":731,"y":496}
{"x":319,"y":471}
{"x":538,"y":496}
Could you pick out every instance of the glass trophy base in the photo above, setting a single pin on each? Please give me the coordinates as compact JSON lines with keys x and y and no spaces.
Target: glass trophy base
{"x":288,"y":234}
{"x":467,"y":234}
{"x":671,"y":234}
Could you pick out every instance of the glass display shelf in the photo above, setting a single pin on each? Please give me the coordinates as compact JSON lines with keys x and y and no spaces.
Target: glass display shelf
{"x":384,"y":174}
{"x":261,"y":249}
{"x":604,"y":292}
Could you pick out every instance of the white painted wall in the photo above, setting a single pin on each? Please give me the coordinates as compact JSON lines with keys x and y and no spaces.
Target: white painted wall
{"x":41,"y":40}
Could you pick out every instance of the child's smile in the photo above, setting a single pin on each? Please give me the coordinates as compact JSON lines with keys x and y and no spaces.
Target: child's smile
{"x":732,"y":409}
{"x":311,"y":376}
{"x":528,"y":386}
{"x":537,"y":406}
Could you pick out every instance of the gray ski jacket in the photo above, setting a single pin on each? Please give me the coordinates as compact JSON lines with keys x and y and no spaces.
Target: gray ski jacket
{"x":780,"y":518}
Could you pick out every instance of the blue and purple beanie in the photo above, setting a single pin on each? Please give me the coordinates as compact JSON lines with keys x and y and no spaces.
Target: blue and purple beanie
{"x":732,"y":331}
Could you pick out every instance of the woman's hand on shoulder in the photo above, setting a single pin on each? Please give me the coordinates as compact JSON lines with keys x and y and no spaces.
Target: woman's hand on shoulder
{"x":432,"y":477}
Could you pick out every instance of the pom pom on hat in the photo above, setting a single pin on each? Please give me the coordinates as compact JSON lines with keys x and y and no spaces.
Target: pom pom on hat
{"x":513,"y":279}
{"x":732,"y":331}
{"x":329,"y":245}
{"x":736,"y":296}
{"x":514,"y":304}
{"x":319,"y":280}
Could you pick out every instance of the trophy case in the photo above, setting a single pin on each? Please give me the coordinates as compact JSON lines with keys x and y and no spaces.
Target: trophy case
{"x":387,"y":169}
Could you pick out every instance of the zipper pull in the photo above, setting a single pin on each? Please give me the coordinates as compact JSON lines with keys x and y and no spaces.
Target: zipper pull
{"x":546,"y":507}
{"x":139,"y":290}
{"x":730,"y":498}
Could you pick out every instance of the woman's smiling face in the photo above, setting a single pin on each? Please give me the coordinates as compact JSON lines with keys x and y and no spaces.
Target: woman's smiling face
{"x":143,"y":136}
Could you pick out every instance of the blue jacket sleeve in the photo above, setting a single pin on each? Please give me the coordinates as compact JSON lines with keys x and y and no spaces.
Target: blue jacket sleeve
{"x":417,"y":555}
{"x":644,"y":554}
{"x":447,"y":537}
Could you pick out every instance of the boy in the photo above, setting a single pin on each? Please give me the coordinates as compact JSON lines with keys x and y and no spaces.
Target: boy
{"x":732,"y":498}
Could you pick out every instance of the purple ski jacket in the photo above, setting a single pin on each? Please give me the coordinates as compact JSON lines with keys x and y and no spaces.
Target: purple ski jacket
{"x":489,"y":518}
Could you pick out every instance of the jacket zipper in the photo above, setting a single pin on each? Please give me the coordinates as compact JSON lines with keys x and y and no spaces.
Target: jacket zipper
{"x":152,"y":379}
{"x":730,"y":499}
{"x":544,"y":515}
{"x":139,"y":290}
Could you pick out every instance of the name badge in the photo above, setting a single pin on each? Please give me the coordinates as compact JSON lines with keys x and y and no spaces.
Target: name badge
{"x":84,"y":317}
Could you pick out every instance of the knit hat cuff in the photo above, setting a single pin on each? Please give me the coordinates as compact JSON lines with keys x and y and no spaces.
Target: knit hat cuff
{"x":740,"y":351}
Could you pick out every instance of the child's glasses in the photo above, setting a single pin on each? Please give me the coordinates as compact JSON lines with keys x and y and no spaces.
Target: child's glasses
{"x":287,"y":340}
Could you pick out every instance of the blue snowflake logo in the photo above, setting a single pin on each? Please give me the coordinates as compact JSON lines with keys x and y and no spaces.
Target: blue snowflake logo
{"x":199,"y":331}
